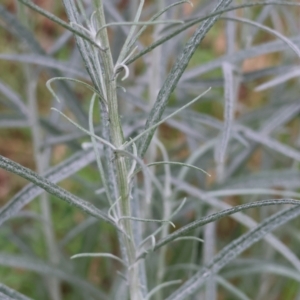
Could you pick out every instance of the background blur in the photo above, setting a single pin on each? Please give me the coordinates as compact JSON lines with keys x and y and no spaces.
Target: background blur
{"x":23,"y":234}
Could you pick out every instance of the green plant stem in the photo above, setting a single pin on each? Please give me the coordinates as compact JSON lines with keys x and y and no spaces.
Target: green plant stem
{"x":119,"y":160}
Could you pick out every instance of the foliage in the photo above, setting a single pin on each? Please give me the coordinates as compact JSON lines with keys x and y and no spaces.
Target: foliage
{"x":191,"y":120}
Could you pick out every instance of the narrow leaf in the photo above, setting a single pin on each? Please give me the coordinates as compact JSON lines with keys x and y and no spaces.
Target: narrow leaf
{"x":35,"y":265}
{"x":13,"y":97}
{"x":50,"y":187}
{"x":57,"y":20}
{"x":45,"y":61}
{"x":229,"y":106}
{"x":175,"y":74}
{"x":7,"y":291}
{"x":235,"y":248}
{"x":216,"y":216}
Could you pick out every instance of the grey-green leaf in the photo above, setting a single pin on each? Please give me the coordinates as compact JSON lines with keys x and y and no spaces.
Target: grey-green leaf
{"x":235,"y":248}
{"x":11,"y":294}
{"x":176,"y":73}
{"x":48,"y":186}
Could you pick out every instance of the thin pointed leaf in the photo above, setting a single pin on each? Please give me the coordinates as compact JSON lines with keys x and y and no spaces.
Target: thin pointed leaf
{"x":77,"y":230}
{"x":178,"y":164}
{"x":48,"y":186}
{"x":288,"y":179}
{"x":278,"y":80}
{"x":86,"y":131}
{"x":13,"y":97}
{"x":232,"y":289}
{"x":87,"y":53}
{"x":262,"y":267}
{"x":239,"y":217}
{"x":5,"y":297}
{"x":161,"y":286}
{"x":289,"y":42}
{"x":239,"y":56}
{"x":229,"y":107}
{"x":13,"y":121}
{"x":57,"y":20}
{"x":156,"y":16}
{"x":270,"y":143}
{"x":45,"y":61}
{"x":24,"y":35}
{"x":216,"y":216}
{"x":235,"y":248}
{"x":35,"y":265}
{"x":125,"y":49}
{"x":201,"y":19}
{"x":252,"y":191}
{"x":154,"y":126}
{"x":56,"y":174}
{"x":108,"y":255}
{"x":21,"y":32}
{"x":14,"y":295}
{"x":175,"y":74}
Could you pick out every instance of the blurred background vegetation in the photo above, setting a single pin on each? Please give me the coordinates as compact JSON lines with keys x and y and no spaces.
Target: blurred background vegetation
{"x":24,"y":234}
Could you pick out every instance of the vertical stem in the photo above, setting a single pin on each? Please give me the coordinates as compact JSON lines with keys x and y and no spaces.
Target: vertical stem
{"x":155,"y":77}
{"x":154,"y":86}
{"x":42,"y":161}
{"x":117,"y":140}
